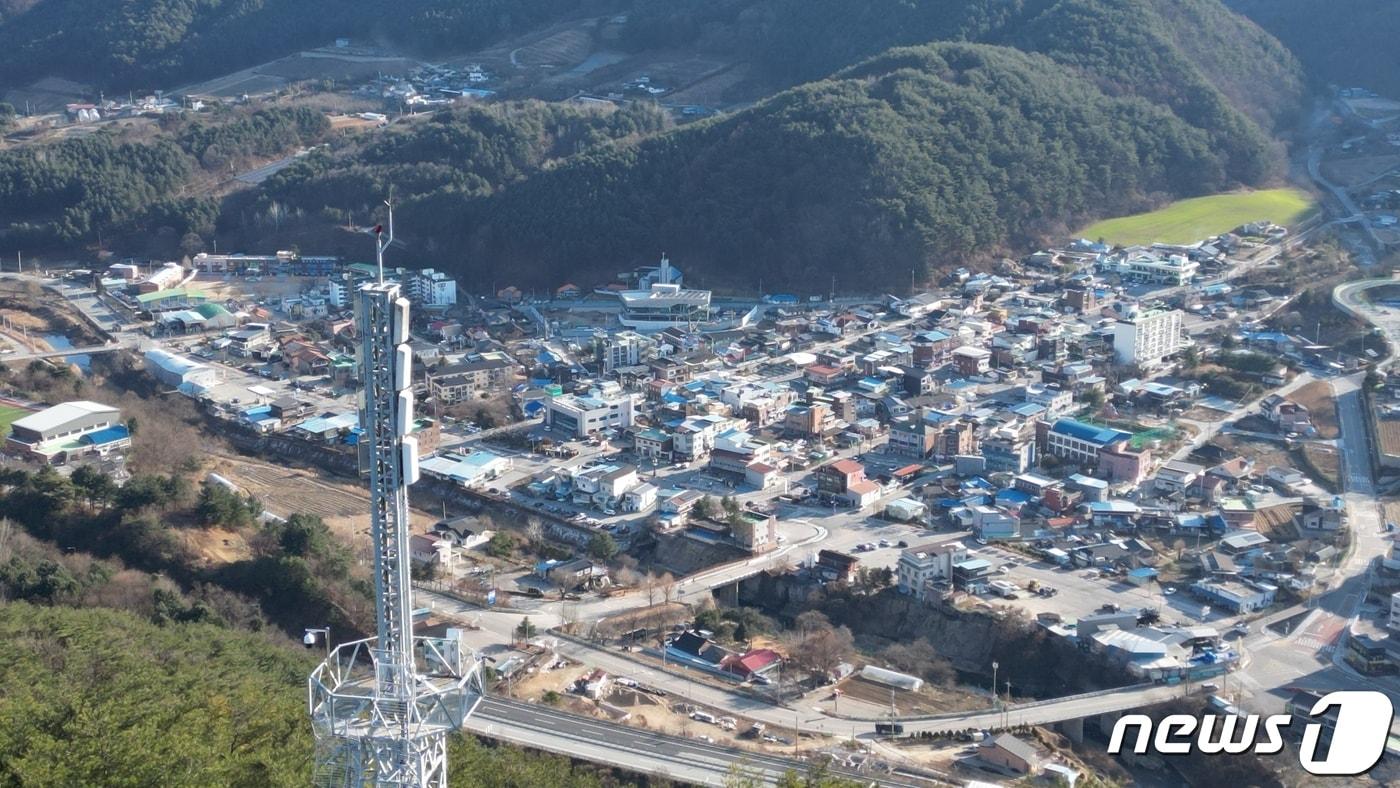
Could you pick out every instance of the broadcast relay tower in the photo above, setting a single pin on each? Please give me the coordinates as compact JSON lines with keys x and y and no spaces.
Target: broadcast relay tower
{"x":382,"y":708}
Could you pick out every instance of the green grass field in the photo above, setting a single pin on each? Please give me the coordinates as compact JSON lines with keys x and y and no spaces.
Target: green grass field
{"x":1189,"y":221}
{"x":8,"y":414}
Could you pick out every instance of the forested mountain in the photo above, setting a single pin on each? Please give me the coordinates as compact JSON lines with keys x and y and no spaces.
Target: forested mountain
{"x":455,"y":154}
{"x":1346,"y":42}
{"x":912,"y":160}
{"x":119,"y":44}
{"x":1008,"y":120}
{"x":797,"y":41}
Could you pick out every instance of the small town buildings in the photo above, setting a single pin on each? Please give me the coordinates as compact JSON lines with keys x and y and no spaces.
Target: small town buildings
{"x":470,"y":379}
{"x":465,"y":532}
{"x":838,"y":566}
{"x":1237,"y":596}
{"x":912,"y":437}
{"x":181,"y":373}
{"x":471,"y":470}
{"x":1011,"y":753}
{"x":755,"y":531}
{"x":68,"y":431}
{"x":921,"y":566}
{"x":430,"y":288}
{"x":580,"y":416}
{"x":972,"y":361}
{"x":1081,"y":443}
{"x":906,"y":510}
{"x":844,"y":481}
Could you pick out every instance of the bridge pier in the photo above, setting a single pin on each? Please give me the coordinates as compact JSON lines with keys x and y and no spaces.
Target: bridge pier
{"x":1107,"y":720}
{"x":1072,"y":729}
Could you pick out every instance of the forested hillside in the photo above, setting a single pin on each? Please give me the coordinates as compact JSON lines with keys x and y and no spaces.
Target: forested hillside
{"x":99,"y":697}
{"x":455,"y":154}
{"x":913,"y":160}
{"x":1345,"y":42}
{"x":120,"y":44}
{"x":102,"y":186}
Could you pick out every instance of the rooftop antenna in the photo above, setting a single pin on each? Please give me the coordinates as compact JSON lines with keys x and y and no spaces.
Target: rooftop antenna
{"x":381,"y":243}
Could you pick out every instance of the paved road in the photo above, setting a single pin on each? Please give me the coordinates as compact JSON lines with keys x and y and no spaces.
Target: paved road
{"x":260,"y":174}
{"x":688,"y":760}
{"x":498,"y":627}
{"x":1350,"y":210}
{"x":1351,"y":298}
{"x":1309,"y":655}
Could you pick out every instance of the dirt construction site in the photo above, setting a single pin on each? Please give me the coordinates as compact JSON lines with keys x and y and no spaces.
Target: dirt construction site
{"x":343,"y":506}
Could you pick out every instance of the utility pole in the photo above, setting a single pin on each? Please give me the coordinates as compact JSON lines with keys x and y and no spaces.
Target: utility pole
{"x":1006,"y":707}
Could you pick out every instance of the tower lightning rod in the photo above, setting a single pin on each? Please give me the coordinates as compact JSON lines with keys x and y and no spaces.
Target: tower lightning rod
{"x":381,"y":243}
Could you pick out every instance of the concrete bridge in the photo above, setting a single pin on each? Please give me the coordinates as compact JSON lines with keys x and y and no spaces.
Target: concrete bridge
{"x":111,"y":347}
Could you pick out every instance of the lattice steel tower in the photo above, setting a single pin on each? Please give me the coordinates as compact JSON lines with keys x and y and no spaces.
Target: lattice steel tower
{"x":382,"y":708}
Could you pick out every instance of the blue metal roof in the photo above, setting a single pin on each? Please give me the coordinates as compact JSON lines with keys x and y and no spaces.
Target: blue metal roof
{"x":117,"y":432}
{"x":1090,"y":432}
{"x":1113,"y":507}
{"x":1013,"y":496}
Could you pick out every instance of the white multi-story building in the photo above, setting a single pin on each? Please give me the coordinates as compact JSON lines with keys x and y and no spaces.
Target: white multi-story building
{"x":695,"y":437}
{"x":1151,"y":267}
{"x":621,"y":349}
{"x":430,"y":287}
{"x":1145,"y":338}
{"x":1394,"y":623}
{"x":923,"y":564}
{"x":338,"y":291}
{"x":1057,"y":401}
{"x":583,"y":415}
{"x":735,"y":450}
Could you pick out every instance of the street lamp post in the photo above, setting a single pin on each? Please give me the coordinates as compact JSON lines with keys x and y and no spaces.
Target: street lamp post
{"x":994,"y":684}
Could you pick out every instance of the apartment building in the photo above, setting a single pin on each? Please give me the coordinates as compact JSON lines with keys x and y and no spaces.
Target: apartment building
{"x":471,"y":378}
{"x":1146,"y":338}
{"x":429,"y":287}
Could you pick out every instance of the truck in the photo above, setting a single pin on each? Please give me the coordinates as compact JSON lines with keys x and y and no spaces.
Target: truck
{"x":1004,"y":589}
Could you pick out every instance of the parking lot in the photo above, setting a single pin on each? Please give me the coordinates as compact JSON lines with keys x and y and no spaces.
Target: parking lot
{"x":1083,"y":592}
